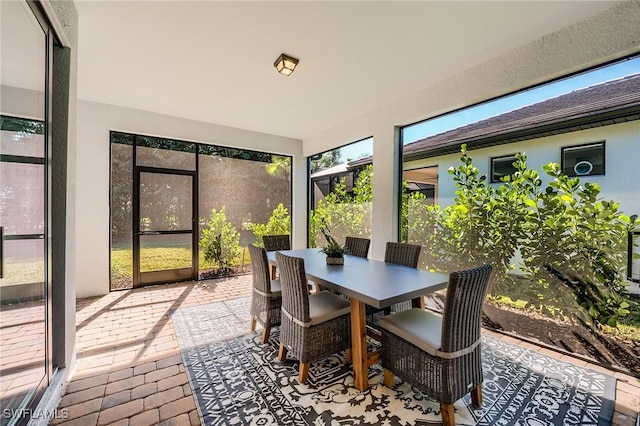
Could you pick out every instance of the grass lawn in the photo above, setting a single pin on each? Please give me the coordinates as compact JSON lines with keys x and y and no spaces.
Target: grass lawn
{"x":23,"y":272}
{"x":161,"y":258}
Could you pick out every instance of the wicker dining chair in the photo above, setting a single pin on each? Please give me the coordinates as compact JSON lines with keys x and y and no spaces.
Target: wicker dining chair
{"x":266,"y":297}
{"x":358,"y":246}
{"x":276,"y":242}
{"x":440,"y":356}
{"x":399,"y":254}
{"x":313,"y":326}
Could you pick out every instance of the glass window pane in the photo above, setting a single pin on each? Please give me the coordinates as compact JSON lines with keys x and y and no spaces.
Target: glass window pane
{"x":583,"y":160}
{"x":24,"y":264}
{"x":341,"y":193}
{"x":21,"y":198}
{"x":250,"y":191}
{"x":25,"y":143}
{"x":165,"y":202}
{"x":168,"y":159}
{"x":501,"y":167}
{"x":23,"y":326}
{"x":164,"y":252}
{"x":121,"y":216}
{"x":23,"y":351}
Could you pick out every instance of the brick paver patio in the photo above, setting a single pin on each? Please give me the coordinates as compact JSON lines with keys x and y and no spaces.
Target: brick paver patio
{"x":130,"y":372}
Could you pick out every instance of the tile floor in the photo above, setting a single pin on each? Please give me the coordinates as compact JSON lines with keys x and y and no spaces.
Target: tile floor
{"x":130,"y":372}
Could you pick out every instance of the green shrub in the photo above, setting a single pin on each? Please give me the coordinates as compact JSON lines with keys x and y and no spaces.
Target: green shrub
{"x":344,"y":214}
{"x":582,"y":241}
{"x":564,"y":233}
{"x":279,"y":223}
{"x":220,"y":240}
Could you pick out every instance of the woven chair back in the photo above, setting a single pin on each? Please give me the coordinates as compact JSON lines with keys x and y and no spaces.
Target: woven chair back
{"x":402,"y":254}
{"x":260,"y":269}
{"x":293,"y":280}
{"x":276,"y":242}
{"x":358,"y":246}
{"x":463,"y":307}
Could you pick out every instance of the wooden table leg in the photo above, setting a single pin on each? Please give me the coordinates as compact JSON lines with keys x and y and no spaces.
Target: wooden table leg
{"x":273,"y":272}
{"x":359,"y":345}
{"x":418,"y":302}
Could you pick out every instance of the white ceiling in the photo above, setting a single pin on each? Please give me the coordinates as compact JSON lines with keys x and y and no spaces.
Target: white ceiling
{"x":213,"y":61}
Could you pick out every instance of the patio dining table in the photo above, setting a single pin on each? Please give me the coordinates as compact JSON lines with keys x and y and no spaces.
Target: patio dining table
{"x":369,"y":282}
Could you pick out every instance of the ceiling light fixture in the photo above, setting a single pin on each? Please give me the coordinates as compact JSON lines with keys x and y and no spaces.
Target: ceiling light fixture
{"x":285,"y":64}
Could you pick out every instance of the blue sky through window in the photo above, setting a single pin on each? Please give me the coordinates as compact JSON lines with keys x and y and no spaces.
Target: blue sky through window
{"x":356,"y":150}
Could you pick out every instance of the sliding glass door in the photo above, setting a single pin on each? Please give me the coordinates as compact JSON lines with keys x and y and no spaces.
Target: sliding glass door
{"x":25,"y":354}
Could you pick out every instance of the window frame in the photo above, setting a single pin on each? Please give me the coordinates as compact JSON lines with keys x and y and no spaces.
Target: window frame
{"x":310,"y":183}
{"x":564,"y":149}
{"x":136,"y":140}
{"x":492,"y":163}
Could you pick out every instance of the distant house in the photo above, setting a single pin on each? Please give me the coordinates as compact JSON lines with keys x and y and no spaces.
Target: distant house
{"x":593,"y":133}
{"x":325,"y":181}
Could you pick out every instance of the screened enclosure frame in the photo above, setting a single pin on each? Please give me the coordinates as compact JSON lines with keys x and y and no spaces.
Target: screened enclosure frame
{"x":177,"y":145}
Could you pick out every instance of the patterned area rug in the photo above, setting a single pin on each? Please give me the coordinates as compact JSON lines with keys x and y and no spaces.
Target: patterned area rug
{"x":238,"y":381}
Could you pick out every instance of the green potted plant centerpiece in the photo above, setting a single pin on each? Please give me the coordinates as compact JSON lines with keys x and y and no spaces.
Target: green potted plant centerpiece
{"x":334,"y":251}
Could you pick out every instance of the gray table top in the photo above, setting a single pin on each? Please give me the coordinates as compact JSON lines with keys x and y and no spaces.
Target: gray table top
{"x":376,"y":283}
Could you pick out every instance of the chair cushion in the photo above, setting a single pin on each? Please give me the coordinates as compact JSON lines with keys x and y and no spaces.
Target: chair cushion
{"x":420,"y":328}
{"x":276,"y":288}
{"x":325,"y":306}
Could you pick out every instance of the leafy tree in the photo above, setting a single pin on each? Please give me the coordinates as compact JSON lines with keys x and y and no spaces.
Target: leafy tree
{"x":420,"y":226}
{"x":411,"y":206}
{"x":279,"y":166}
{"x":279,"y":224}
{"x":580,"y":240}
{"x":486,"y":225}
{"x":220,"y":240}
{"x":565,"y":233}
{"x":324,"y":161}
{"x":363,"y":185}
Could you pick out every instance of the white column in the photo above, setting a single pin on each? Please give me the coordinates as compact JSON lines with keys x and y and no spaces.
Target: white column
{"x":299,"y":211}
{"x":385,"y":189}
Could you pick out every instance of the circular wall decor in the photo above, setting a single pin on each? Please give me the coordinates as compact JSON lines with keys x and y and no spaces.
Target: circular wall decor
{"x":583,"y":167}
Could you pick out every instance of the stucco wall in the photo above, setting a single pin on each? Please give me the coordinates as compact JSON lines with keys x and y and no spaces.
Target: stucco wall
{"x":606,"y":36}
{"x":92,"y":176}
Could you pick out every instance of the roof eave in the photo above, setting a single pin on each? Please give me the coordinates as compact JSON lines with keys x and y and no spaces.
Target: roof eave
{"x":602,"y":118}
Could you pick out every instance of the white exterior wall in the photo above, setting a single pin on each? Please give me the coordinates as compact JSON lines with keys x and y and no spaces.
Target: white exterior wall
{"x":95,"y":121}
{"x":604,"y":37}
{"x":621,"y":181}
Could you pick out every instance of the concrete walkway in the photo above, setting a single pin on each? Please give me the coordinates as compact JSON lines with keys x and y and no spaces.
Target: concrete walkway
{"x":130,"y":372}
